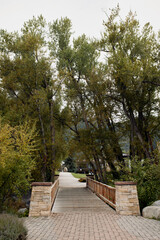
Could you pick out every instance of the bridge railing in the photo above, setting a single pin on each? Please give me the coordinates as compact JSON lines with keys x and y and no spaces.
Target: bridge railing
{"x":105,"y":192}
{"x":54,"y":190}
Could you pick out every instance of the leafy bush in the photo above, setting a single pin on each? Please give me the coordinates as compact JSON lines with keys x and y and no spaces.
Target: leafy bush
{"x":17,"y":159}
{"x":82,"y":180}
{"x":11,"y":228}
{"x":147,"y":175}
{"x":23,"y":213}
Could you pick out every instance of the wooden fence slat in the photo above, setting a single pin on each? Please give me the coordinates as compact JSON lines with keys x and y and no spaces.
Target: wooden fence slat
{"x":105,"y":192}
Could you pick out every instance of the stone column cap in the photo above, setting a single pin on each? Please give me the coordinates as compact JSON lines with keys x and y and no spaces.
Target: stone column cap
{"x":125,"y":183}
{"x":41,"y":184}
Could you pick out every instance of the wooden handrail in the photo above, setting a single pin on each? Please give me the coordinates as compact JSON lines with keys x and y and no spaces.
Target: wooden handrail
{"x":54,"y":190}
{"x":105,"y":192}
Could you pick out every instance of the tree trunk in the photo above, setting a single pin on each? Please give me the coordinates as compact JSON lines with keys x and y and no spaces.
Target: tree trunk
{"x":132,"y":148}
{"x":52,"y":128}
{"x":114,"y":143}
{"x":44,"y":167}
{"x":99,"y":168}
{"x":94,"y":170}
{"x":139,"y":135}
{"x":130,"y":115}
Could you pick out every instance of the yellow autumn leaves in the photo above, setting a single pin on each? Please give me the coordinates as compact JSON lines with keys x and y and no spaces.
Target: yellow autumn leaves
{"x":17,"y":150}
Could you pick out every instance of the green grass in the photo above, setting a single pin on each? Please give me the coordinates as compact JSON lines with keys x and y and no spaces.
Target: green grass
{"x":79,"y":175}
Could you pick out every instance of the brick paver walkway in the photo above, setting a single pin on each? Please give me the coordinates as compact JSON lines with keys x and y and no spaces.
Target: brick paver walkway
{"x":88,"y":219}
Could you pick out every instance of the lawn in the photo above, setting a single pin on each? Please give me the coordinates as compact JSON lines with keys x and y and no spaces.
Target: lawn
{"x":79,"y":175}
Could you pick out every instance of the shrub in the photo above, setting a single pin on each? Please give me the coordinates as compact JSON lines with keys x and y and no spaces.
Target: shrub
{"x":17,"y":159}
{"x":147,"y":175}
{"x":11,"y":228}
{"x":23,"y":213}
{"x":82,"y":180}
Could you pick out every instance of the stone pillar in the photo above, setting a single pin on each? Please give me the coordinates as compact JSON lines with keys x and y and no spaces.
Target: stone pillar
{"x":127,"y":198}
{"x":40,"y":204}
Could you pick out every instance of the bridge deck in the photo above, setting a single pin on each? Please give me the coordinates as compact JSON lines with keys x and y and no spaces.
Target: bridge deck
{"x":74,"y":196}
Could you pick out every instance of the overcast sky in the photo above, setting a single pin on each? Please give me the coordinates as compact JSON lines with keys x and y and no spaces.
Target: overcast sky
{"x":86,"y":15}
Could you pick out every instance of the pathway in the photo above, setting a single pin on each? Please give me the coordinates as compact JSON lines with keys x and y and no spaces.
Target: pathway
{"x":74,"y":196}
{"x":80,"y":215}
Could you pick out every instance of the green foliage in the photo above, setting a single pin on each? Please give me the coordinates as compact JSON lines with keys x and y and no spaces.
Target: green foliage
{"x":25,"y":214}
{"x":11,"y":228}
{"x":17,"y":158}
{"x":70,"y":164}
{"x":147,"y":175}
{"x":133,"y":64}
{"x":30,"y":90}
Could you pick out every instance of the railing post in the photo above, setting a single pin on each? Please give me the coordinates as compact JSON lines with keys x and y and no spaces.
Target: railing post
{"x":40,"y":204}
{"x":42,"y":198}
{"x":127,"y":198}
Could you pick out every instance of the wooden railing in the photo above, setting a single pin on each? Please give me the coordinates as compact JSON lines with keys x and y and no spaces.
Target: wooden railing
{"x":54,"y":190}
{"x":105,"y":192}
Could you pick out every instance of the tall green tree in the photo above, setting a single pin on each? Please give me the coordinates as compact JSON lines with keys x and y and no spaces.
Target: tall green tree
{"x":90,"y":112}
{"x":32,"y":89}
{"x":133,"y":61}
